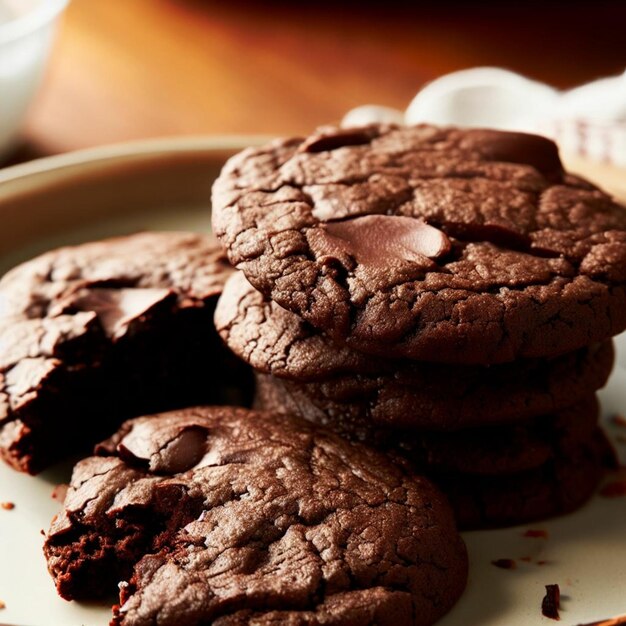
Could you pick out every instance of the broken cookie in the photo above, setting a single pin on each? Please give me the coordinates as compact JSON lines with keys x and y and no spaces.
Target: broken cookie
{"x":221,"y":515}
{"x":94,"y":334}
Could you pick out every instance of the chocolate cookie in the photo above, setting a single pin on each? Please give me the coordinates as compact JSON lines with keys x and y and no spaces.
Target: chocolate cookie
{"x":486,"y":450}
{"x":341,"y":382}
{"x":436,"y":244}
{"x":94,"y":334}
{"x":225,"y":514}
{"x":493,"y":476}
{"x":560,"y":486}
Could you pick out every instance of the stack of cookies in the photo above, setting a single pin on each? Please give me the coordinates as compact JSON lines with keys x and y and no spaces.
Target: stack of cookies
{"x":447,"y":295}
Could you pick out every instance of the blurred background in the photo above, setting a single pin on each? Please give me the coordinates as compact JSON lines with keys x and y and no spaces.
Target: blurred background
{"x":131,"y":69}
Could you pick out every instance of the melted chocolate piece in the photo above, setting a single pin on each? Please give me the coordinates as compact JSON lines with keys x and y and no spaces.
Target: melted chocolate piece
{"x":165,"y":450}
{"x":534,"y":150}
{"x":332,"y":138}
{"x":379,"y":240}
{"x":118,"y":308}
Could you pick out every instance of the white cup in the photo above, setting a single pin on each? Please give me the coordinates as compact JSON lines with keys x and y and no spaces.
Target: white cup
{"x":26,"y":31}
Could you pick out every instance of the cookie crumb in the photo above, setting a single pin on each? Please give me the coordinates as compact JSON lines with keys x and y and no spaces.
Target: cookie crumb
{"x":536,"y":533}
{"x":2,"y":605}
{"x":59,"y":492}
{"x":7,"y":506}
{"x":619,"y":420}
{"x":504,"y":563}
{"x":614,"y":489}
{"x":551,"y":602}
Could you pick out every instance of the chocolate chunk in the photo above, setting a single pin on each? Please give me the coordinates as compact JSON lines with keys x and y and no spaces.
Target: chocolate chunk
{"x":551,"y":602}
{"x":379,"y":240}
{"x":332,"y":138}
{"x":525,"y":149}
{"x":167,"y":450}
{"x":118,"y":308}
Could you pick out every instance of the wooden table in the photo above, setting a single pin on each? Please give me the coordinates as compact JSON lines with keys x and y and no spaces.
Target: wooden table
{"x":130,"y":69}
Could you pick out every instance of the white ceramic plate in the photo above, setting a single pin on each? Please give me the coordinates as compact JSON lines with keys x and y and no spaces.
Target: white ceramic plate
{"x":166,"y":185}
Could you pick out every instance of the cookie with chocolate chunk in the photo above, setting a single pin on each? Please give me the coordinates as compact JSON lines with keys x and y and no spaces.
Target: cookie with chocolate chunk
{"x":227,"y":516}
{"x":435,"y":244}
{"x":94,"y":334}
{"x":338,"y":381}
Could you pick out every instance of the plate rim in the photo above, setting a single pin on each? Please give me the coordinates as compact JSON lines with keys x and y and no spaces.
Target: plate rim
{"x":16,"y":178}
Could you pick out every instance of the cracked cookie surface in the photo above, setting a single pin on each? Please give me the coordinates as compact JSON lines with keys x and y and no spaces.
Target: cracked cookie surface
{"x":339,"y":381}
{"x":228,"y":516}
{"x":437,"y":244}
{"x":109,"y":329}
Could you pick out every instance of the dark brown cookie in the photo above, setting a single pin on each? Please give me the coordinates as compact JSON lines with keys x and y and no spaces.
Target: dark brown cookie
{"x":486,"y":450}
{"x":221,"y":513}
{"x":338,"y":381}
{"x":94,"y":334}
{"x":460,"y":246}
{"x":494,"y":476}
{"x":560,"y":486}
